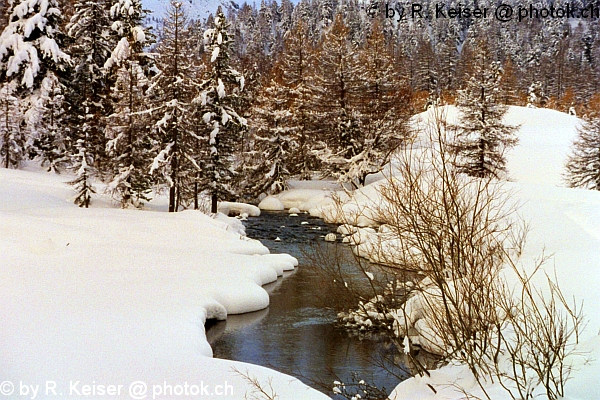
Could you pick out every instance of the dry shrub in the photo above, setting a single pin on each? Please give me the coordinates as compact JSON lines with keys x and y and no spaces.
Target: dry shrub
{"x":462,"y":234}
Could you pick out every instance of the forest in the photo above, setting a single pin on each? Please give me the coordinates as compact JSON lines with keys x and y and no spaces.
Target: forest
{"x":232,"y":106}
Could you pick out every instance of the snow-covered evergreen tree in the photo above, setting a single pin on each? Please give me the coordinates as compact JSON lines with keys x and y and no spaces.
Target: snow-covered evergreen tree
{"x":129,"y":144}
{"x":295,"y":70}
{"x":47,"y":120}
{"x":536,"y":96}
{"x":31,"y":54}
{"x":262,"y":40}
{"x":30,"y":45}
{"x":12,"y":142}
{"x":222,"y":122}
{"x":273,"y":145}
{"x":85,"y":173}
{"x":172,"y":92}
{"x":129,"y":33}
{"x":336,"y":119}
{"x":88,"y":90}
{"x":383,"y":113}
{"x":583,"y":164}
{"x":482,"y":137}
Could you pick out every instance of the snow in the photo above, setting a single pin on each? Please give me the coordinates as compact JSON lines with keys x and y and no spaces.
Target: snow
{"x":215,"y":55}
{"x":122,"y":295}
{"x":220,"y":85}
{"x":119,"y":54}
{"x":138,"y":34}
{"x":111,"y":296}
{"x":563,"y":222}
{"x":232,"y":208}
{"x":271,"y":203}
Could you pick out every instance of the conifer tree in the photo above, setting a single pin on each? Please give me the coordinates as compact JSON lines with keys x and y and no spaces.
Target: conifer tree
{"x":583,"y":164}
{"x":222,"y":122}
{"x":382,"y":101}
{"x":172,"y":89}
{"x":30,"y":45}
{"x":273,"y":144}
{"x":129,"y":145}
{"x":89,"y":31}
{"x":262,"y":40}
{"x":536,"y":96}
{"x":335,"y":89}
{"x":30,"y":54}
{"x":48,"y":122}
{"x":84,"y":172}
{"x":295,"y":71}
{"x":12,"y":142}
{"x":482,"y":136}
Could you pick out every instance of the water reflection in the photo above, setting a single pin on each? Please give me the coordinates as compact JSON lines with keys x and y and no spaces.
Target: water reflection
{"x":296,"y":333}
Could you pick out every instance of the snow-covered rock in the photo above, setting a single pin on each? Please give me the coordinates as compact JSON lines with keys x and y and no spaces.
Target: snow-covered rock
{"x":271,"y":203}
{"x":232,"y":208}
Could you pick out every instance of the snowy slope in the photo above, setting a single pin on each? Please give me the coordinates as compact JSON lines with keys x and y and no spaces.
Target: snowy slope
{"x":564,"y":223}
{"x":108,"y":296}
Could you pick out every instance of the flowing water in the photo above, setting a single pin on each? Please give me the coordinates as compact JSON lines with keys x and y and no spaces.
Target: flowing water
{"x":296,"y":333}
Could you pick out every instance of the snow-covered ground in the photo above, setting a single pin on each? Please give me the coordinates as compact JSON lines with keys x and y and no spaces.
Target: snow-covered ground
{"x":96,"y":297}
{"x":564,"y":223}
{"x":106,"y":296}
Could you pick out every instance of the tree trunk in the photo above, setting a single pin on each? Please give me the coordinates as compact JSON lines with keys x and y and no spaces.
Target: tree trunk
{"x":196,"y":195}
{"x":213,"y":208}
{"x":172,"y":199}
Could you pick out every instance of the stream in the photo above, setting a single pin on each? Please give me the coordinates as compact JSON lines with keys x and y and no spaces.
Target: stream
{"x":296,"y":333}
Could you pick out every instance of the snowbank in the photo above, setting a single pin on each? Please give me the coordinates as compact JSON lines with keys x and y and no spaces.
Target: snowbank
{"x":109,"y":297}
{"x":232,"y":208}
{"x":318,"y":198}
{"x":271,"y":203}
{"x":565,"y":222}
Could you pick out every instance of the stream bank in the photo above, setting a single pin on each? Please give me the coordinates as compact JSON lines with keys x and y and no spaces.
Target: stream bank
{"x":296,"y":334}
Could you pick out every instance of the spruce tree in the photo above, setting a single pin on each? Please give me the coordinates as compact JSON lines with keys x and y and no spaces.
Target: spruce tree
{"x":30,"y":45}
{"x":583,"y":164}
{"x":129,"y":145}
{"x":172,"y":90}
{"x":89,"y":31}
{"x":482,"y":137}
{"x":273,"y":145}
{"x":222,"y":122}
{"x":48,"y":122}
{"x":12,"y":141}
{"x":84,"y":174}
{"x":30,"y":58}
